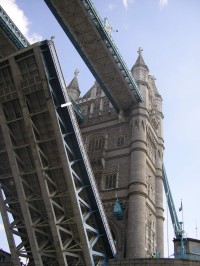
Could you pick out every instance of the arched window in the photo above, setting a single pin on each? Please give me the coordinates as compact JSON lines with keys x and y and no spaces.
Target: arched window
{"x":150,"y":236}
{"x":96,"y":143}
{"x":111,"y":181}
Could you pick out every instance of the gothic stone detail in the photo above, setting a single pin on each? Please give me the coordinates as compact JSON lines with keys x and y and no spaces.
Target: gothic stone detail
{"x":128,"y":139}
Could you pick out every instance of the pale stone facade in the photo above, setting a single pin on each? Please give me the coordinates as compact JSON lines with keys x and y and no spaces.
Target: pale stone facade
{"x":126,"y":152}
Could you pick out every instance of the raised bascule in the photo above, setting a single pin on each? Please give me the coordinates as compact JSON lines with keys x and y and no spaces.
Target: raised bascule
{"x":87,"y":193}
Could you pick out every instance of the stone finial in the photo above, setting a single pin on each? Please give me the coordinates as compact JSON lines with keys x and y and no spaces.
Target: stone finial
{"x":140,"y":50}
{"x":140,"y":61}
{"x":76,"y":72}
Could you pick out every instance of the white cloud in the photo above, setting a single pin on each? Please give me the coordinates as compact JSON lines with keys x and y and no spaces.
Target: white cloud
{"x":163,"y":3}
{"x":127,"y":2}
{"x":19,"y":18}
{"x":1,"y":227}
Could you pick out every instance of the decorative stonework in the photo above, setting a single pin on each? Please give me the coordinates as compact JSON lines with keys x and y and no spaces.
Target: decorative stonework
{"x":150,"y":150}
{"x":151,"y":146}
{"x":153,"y":106}
{"x":150,"y":188}
{"x":138,"y":127}
{"x":106,"y":104}
{"x":150,"y":232}
{"x":155,"y":121}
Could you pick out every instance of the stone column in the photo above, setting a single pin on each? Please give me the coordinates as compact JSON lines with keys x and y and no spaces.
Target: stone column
{"x":159,"y":215}
{"x":137,"y":190}
{"x":159,"y":202}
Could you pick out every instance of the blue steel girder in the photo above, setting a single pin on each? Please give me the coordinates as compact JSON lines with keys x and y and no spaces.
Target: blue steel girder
{"x":86,"y":31}
{"x":177,"y":227}
{"x":11,"y":31}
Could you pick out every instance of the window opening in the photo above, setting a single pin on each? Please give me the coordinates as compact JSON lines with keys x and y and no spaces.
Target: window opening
{"x":120,"y":141}
{"x":111,"y":180}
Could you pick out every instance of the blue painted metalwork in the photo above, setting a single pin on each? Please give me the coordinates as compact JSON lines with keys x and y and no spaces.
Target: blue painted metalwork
{"x":178,"y":226}
{"x":11,"y":30}
{"x":118,"y":211}
{"x":72,"y":137}
{"x":78,"y":112}
{"x":111,"y":47}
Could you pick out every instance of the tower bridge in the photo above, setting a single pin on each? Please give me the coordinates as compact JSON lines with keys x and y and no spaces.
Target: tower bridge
{"x":49,"y":198}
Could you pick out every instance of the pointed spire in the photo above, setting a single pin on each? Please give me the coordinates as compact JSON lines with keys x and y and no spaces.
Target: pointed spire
{"x":76,"y":72}
{"x":152,"y":80}
{"x":74,"y":83}
{"x":140,"y":61}
{"x":73,"y":87}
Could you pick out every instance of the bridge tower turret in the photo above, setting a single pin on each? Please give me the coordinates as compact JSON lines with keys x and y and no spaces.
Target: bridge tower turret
{"x":73,"y":88}
{"x":145,"y":210}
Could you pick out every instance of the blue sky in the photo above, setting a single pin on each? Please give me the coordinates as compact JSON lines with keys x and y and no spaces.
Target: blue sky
{"x":168,"y":31}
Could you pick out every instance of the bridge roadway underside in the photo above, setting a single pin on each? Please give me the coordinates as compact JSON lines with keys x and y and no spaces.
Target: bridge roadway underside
{"x":48,"y":198}
{"x":83,"y":26}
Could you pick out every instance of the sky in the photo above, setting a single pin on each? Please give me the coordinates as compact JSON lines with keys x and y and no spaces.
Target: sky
{"x":168,"y":32}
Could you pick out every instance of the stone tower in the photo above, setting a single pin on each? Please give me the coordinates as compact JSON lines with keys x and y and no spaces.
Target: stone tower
{"x":126,"y":151}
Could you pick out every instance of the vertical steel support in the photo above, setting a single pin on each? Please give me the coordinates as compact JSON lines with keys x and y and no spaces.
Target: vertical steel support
{"x":21,"y":196}
{"x":7,"y":226}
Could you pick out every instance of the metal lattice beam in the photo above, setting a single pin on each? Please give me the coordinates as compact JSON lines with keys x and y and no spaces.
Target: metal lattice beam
{"x":85,"y":29}
{"x":11,"y":30}
{"x":46,"y":180}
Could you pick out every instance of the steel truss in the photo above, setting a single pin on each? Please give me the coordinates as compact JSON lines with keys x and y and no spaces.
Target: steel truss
{"x":11,"y":30}
{"x":84,"y":27}
{"x":48,"y":198}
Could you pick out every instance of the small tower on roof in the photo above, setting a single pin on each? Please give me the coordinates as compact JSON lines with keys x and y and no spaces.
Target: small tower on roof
{"x":73,"y":88}
{"x":140,"y":70}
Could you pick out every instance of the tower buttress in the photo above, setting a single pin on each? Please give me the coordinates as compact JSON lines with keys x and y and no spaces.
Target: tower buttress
{"x":156,"y":117}
{"x":138,"y":165}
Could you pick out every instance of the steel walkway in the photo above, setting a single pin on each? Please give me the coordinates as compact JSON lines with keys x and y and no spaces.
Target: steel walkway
{"x":82,"y":24}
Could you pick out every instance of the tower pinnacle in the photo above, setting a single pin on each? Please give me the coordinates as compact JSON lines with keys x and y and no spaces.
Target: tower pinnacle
{"x":140,"y":69}
{"x":140,"y":61}
{"x":76,"y":72}
{"x":73,"y":87}
{"x":140,"y":50}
